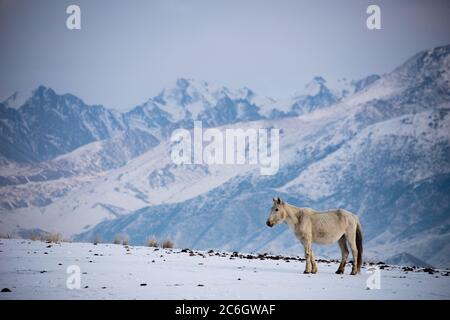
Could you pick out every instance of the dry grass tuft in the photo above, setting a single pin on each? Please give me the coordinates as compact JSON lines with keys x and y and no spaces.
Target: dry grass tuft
{"x":152,"y":242}
{"x":168,"y":244}
{"x":97,"y":239}
{"x":53,"y":238}
{"x":118,"y":239}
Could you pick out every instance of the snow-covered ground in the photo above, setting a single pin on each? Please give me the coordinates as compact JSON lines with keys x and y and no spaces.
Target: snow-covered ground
{"x":37,"y":270}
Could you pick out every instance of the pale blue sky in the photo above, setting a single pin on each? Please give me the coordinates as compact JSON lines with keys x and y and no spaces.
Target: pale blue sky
{"x":127,"y":51}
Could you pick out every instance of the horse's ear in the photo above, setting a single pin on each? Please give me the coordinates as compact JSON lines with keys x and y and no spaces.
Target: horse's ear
{"x":278,"y":200}
{"x":274,"y":200}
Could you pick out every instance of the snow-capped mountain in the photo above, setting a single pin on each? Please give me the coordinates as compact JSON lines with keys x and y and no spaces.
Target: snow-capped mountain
{"x":378,"y":146}
{"x":42,"y":125}
{"x":318,"y":93}
{"x":48,"y":125}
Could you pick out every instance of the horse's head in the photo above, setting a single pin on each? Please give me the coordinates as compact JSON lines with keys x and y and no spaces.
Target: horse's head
{"x":277,"y":214}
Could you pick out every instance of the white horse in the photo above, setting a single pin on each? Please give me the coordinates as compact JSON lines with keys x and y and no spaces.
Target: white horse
{"x":322,"y":228}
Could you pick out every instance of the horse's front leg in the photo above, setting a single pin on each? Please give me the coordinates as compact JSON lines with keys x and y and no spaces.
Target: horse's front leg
{"x":308,"y":254}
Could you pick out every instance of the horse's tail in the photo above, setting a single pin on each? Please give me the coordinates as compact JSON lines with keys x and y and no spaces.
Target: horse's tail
{"x":359,"y":245}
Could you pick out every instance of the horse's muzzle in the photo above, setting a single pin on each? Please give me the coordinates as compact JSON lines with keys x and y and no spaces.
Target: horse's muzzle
{"x":269,"y":224}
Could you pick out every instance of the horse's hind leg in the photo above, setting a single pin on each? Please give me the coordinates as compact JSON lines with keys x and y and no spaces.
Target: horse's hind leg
{"x":351,"y":237}
{"x":344,"y":251}
{"x":313,"y":262}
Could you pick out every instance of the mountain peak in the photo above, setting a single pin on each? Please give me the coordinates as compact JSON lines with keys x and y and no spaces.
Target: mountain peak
{"x":315,"y":87}
{"x":440,"y":51}
{"x":433,"y":63}
{"x":42,"y":91}
{"x":319,"y":79}
{"x":183,"y":83}
{"x":18,"y":99}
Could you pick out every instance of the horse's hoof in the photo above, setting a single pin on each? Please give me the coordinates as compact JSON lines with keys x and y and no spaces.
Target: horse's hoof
{"x":339,"y":272}
{"x":306,"y":272}
{"x":353,"y":273}
{"x":314,"y":272}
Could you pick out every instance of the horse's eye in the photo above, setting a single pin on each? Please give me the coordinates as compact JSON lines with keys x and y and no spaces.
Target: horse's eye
{"x":276,"y":209}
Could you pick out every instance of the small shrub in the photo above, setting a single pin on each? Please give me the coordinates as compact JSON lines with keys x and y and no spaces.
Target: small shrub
{"x":152,"y":242}
{"x":118,"y":239}
{"x":167,"y":244}
{"x":97,"y":239}
{"x":125,"y":241}
{"x":53,"y":238}
{"x":33,"y":237}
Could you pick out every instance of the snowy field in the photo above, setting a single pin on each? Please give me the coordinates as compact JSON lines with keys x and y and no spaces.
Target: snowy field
{"x":37,"y":270}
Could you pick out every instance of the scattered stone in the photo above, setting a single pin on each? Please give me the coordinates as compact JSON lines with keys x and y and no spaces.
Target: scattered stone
{"x":143,"y":284}
{"x":103,"y":287}
{"x":86,"y":287}
{"x":6,"y":290}
{"x":49,"y":246}
{"x":43,"y":271}
{"x":429,"y":270}
{"x":407,"y":269}
{"x":200,"y":285}
{"x":45,"y":252}
{"x":59,"y":264}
